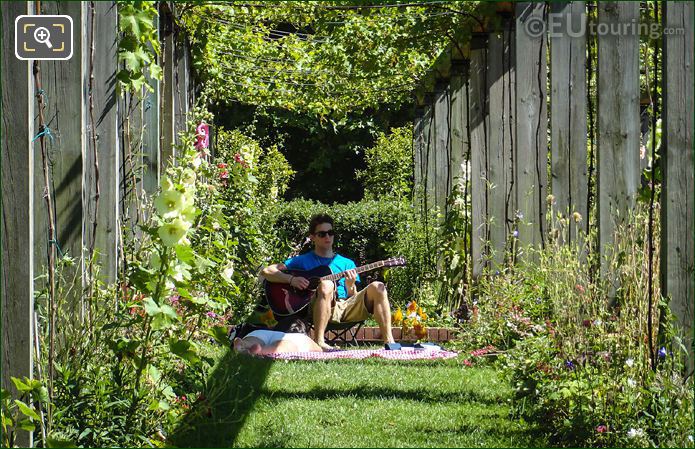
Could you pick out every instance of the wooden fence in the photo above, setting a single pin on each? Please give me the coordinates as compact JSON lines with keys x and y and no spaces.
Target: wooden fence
{"x":489,"y":118}
{"x":131,"y":137}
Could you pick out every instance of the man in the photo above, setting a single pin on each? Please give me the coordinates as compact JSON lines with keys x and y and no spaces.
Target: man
{"x":341,"y":304}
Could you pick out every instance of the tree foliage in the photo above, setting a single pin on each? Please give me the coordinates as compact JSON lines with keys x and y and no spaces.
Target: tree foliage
{"x":325,"y":58}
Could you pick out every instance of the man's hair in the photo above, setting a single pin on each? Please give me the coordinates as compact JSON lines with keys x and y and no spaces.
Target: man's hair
{"x":317,"y":220}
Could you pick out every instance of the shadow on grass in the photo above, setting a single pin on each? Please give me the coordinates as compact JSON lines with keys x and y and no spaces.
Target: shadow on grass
{"x":232,"y":389}
{"x":385,"y":393}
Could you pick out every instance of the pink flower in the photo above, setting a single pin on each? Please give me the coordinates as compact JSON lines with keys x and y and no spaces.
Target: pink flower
{"x":211,"y":314}
{"x":224,"y":175}
{"x":601,"y":429}
{"x":580,"y":288}
{"x":467,"y":362}
{"x":221,"y":165}
{"x":174,"y":299}
{"x":202,"y":136}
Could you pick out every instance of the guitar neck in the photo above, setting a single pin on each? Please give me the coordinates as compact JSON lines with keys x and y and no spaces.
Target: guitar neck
{"x":362,"y":269}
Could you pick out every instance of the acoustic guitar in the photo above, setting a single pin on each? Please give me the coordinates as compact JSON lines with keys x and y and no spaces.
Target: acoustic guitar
{"x":285,"y":300}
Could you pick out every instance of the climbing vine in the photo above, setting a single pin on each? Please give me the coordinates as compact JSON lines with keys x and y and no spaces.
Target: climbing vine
{"x":138,"y":47}
{"x":324,"y":58}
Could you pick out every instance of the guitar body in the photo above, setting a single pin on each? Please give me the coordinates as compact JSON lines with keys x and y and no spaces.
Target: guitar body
{"x":285,"y":300}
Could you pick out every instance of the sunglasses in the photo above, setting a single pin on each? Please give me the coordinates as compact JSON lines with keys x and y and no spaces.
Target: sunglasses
{"x":322,"y":234}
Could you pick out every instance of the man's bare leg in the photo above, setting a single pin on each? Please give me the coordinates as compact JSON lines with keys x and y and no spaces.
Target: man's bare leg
{"x":322,"y":312}
{"x":378,"y":302}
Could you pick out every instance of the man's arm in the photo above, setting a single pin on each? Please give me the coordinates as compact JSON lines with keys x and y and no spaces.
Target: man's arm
{"x":273,"y":273}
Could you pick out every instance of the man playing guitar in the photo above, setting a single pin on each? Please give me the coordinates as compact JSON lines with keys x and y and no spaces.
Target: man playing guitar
{"x":341,"y":304}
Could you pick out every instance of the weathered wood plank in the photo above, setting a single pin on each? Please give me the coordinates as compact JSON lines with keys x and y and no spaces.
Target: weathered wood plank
{"x":418,"y":145}
{"x":568,"y":112}
{"x":442,"y":147}
{"x":167,"y":127}
{"x":531,"y":126}
{"x":618,"y":120}
{"x":150,"y":142}
{"x":18,"y":179}
{"x":181,"y":81}
{"x":103,"y":121}
{"x":501,"y":194}
{"x":429,"y":169}
{"x":677,"y":226}
{"x":458,"y":165}
{"x":478,"y":123}
{"x":64,"y":115}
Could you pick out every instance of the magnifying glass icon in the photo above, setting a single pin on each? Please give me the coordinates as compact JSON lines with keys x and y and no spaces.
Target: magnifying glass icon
{"x":42,"y":36}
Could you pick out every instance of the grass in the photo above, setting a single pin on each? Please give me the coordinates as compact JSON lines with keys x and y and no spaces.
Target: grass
{"x":353,"y":403}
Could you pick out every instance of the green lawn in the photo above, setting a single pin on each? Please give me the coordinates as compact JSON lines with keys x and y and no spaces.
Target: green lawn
{"x":353,"y":403}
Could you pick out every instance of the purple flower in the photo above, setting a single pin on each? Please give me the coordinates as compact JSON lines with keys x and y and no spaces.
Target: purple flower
{"x":662,"y":352}
{"x":211,"y":314}
{"x":601,"y":428}
{"x":515,"y":233}
{"x":569,"y":364}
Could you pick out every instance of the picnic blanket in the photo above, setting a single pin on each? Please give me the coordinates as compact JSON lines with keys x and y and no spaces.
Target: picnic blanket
{"x":402,"y":354}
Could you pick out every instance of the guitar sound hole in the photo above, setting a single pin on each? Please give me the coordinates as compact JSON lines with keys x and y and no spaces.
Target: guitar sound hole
{"x":314,"y":283}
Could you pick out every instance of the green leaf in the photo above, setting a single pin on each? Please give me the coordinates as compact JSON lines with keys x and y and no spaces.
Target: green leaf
{"x":219,"y":333}
{"x":184,"y":349}
{"x":27,"y":410}
{"x":151,"y":307}
{"x":26,"y":424}
{"x":19,"y":385}
{"x":59,"y":442}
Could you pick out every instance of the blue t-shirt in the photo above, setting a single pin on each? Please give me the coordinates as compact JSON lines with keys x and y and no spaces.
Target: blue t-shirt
{"x":337,"y":263}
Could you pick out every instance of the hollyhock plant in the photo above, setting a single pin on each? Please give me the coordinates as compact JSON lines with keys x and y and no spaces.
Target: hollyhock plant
{"x":202,"y":136}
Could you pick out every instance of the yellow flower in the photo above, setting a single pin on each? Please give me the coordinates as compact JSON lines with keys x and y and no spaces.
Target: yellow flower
{"x":412,"y":307}
{"x":188,"y":177}
{"x":173,"y":233}
{"x":166,"y":184}
{"x":268,"y":319}
{"x":169,"y":203}
{"x":397,"y":317}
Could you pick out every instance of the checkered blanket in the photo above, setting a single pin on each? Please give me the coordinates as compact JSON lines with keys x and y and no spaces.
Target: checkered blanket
{"x":403,"y":354}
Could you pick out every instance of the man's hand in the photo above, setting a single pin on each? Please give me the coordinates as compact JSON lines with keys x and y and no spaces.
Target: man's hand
{"x":350,"y":278}
{"x":299,"y":282}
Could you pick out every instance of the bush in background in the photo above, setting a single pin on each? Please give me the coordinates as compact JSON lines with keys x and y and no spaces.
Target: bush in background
{"x":389,"y":172}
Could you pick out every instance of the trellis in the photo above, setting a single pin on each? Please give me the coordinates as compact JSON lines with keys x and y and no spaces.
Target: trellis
{"x":497,"y":130}
{"x":95,"y":140}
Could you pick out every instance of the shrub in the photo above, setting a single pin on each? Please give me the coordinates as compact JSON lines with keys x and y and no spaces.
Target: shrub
{"x":389,"y":172}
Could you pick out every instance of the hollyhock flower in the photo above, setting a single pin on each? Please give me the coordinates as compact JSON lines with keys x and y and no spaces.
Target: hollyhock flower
{"x":221,"y":165}
{"x":202,"y":132}
{"x":188,"y":177}
{"x":169,"y":203}
{"x":228,"y":272}
{"x":173,"y":233}
{"x":166,"y":184}
{"x":602,"y":428}
{"x":224,"y":174}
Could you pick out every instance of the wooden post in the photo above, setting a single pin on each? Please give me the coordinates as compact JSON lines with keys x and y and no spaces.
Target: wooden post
{"x":428,"y":168}
{"x":102,"y":120}
{"x":618,"y":121}
{"x":501,"y":192}
{"x":531,"y":124}
{"x":181,"y":79}
{"x":677,"y":204}
{"x":442,"y":146}
{"x":17,"y":283}
{"x":479,"y":123}
{"x":568,"y":114}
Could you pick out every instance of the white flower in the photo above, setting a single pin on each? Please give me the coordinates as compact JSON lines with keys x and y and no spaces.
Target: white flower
{"x":197,"y":162}
{"x":173,"y":233}
{"x":631,"y":382}
{"x":188,"y":177}
{"x":598,"y":322}
{"x":690,"y":438}
{"x":632,"y":433}
{"x":166,"y":184}
{"x":169,"y":203}
{"x":629,"y":362}
{"x":228,"y":272}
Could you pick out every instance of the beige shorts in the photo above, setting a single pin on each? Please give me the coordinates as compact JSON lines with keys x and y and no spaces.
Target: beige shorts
{"x":349,"y":310}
